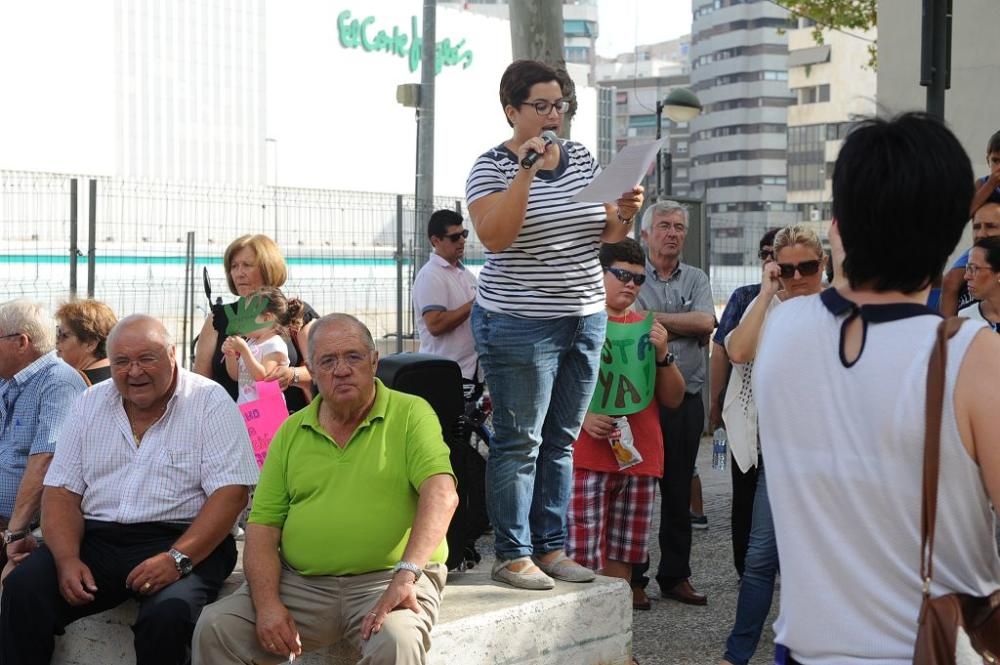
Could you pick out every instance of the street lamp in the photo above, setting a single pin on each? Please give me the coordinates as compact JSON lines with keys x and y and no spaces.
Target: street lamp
{"x":274,"y":186}
{"x":681,"y":105}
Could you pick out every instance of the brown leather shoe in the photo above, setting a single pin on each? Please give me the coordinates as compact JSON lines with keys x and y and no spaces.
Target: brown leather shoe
{"x":685,"y":593}
{"x":640,"y":601}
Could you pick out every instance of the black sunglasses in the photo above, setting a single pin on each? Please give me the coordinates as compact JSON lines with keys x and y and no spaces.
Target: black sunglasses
{"x":454,"y":237}
{"x":765,"y":254}
{"x":624,"y":276}
{"x":806,"y":269}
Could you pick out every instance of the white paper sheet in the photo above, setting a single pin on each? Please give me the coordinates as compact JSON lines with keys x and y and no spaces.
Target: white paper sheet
{"x":624,"y":172}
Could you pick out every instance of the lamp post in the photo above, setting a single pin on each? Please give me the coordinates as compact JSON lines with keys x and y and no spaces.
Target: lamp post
{"x":274,"y":186}
{"x":681,"y":105}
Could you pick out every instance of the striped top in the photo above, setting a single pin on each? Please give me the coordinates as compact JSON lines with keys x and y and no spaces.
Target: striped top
{"x":551,"y":270}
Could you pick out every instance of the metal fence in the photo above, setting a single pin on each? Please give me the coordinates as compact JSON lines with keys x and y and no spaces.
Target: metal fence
{"x":142,"y":246}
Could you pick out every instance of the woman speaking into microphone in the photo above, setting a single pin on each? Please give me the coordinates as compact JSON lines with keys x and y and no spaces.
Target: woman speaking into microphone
{"x":538,"y":320}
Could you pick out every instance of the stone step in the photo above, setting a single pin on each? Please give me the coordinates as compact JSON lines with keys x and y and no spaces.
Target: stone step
{"x":480,"y":623}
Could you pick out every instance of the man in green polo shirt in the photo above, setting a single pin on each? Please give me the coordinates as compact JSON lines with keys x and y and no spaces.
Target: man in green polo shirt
{"x":346,"y":539}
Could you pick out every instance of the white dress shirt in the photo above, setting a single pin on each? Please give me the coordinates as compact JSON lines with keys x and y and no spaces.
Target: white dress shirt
{"x":199,"y":445}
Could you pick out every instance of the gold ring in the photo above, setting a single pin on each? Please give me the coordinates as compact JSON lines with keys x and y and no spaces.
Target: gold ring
{"x":146,"y":586}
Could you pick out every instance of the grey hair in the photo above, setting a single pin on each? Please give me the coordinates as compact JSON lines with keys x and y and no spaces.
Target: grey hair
{"x":29,"y":318}
{"x":153,"y":323}
{"x":338,"y":319}
{"x":662,"y":208}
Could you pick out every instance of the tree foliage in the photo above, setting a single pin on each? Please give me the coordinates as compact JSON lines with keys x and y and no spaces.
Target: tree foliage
{"x":840,"y":15}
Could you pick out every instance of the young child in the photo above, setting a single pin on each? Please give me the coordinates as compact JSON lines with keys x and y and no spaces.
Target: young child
{"x":251,"y":357}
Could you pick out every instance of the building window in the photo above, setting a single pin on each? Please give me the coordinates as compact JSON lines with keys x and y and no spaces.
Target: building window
{"x":824,"y":92}
{"x":642,"y":120}
{"x":578,"y":54}
{"x":579,"y":28}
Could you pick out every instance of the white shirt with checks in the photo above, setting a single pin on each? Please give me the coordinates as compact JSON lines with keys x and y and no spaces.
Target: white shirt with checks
{"x":199,"y":445}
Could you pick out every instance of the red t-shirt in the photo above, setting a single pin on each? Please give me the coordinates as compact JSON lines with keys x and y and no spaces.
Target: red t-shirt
{"x":595,"y":454}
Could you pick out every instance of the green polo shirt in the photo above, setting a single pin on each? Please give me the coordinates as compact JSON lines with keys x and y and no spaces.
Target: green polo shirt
{"x":346,"y":511}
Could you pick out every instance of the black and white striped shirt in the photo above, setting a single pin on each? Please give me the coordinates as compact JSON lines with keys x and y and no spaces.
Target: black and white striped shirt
{"x":552,"y":268}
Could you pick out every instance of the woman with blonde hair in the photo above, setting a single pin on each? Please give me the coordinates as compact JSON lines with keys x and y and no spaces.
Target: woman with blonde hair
{"x":82,"y":335}
{"x":797,"y":270}
{"x":253,"y":262}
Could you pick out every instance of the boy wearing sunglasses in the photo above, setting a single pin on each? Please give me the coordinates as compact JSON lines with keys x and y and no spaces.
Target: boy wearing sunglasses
{"x":611,"y":508}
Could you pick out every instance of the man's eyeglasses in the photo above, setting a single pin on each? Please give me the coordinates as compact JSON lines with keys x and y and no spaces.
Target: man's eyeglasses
{"x":806,"y":269}
{"x":143,"y":362}
{"x":455,"y":237}
{"x":543,"y":107}
{"x":765,"y":254}
{"x":11,"y":335}
{"x":353,"y":360}
{"x":63,"y":335}
{"x":973,"y":269}
{"x":625,"y":276}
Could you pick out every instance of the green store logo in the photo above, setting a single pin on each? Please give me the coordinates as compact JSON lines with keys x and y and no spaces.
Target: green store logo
{"x":357,"y":33}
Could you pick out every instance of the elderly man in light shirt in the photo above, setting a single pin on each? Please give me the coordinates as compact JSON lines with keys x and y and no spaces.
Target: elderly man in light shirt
{"x":149,"y":476}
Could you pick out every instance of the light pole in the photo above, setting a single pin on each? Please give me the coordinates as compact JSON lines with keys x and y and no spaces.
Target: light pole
{"x":681,"y":105}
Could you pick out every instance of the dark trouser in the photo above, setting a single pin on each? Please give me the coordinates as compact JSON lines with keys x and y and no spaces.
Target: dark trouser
{"x":682,"y":428}
{"x":744,"y":487}
{"x":33,"y":611}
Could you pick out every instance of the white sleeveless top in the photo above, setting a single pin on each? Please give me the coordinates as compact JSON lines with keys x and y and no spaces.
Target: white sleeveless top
{"x":844,"y":448}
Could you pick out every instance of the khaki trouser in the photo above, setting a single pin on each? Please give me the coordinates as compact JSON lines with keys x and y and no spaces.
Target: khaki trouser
{"x":326,"y":610}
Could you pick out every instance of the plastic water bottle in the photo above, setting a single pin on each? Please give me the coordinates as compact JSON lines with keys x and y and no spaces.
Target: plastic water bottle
{"x":720,"y":450}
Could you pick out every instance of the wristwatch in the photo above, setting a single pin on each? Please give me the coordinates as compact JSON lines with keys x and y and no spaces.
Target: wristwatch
{"x":412,"y":567}
{"x":182,"y":561}
{"x":9,"y":536}
{"x":666,"y":362}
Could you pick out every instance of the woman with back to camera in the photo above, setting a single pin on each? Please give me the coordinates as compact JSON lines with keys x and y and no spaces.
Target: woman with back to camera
{"x":539,"y":320}
{"x":253,"y":262}
{"x":82,"y":336}
{"x":982,"y":274}
{"x":797,"y":270}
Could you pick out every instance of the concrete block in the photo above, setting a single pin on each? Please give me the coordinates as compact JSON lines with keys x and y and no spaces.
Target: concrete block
{"x":481,"y":623}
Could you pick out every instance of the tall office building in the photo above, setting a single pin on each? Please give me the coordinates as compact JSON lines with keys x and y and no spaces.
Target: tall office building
{"x":833,"y":86}
{"x":739,"y":70}
{"x":190,"y":90}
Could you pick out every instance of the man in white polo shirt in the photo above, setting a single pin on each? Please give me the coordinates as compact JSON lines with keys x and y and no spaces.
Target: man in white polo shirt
{"x":443,"y":293}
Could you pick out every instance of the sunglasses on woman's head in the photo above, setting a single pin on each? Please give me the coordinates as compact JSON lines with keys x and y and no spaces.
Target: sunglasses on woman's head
{"x":624,"y":276}
{"x":806,"y":269}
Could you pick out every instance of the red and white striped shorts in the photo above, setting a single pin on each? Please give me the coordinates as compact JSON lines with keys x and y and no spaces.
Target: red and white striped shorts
{"x":609,"y":517}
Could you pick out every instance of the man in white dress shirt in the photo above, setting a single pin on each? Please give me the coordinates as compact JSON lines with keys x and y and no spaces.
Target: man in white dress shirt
{"x":149,"y":476}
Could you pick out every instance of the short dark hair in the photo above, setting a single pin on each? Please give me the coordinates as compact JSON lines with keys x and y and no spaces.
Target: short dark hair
{"x":993,"y":145}
{"x":901,"y":195}
{"x":991,"y":246}
{"x":626,"y":251}
{"x":768,"y":238}
{"x":517,"y":79}
{"x":440,"y":220}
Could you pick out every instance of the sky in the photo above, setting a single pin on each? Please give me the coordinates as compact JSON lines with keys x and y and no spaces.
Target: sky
{"x":625,"y":23}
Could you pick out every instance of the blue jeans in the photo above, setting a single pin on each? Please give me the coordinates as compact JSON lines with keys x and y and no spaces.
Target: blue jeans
{"x":757,"y":587}
{"x":541,"y":374}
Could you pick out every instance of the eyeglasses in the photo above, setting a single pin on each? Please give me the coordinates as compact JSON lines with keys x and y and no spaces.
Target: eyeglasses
{"x":625,"y":276}
{"x":973,"y":269}
{"x":543,"y":107}
{"x":11,"y":335}
{"x":353,"y":360}
{"x":143,"y":362}
{"x":455,"y":237}
{"x":765,"y":254}
{"x":806,"y":269}
{"x":62,"y":335}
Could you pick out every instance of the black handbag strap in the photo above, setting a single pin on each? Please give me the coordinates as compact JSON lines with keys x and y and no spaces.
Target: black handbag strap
{"x":934,"y":407}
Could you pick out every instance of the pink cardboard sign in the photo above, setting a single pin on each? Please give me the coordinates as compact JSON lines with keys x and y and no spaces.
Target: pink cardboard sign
{"x":264,"y":416}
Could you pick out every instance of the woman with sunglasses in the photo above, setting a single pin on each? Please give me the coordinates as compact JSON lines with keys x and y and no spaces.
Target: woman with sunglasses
{"x":982,"y":274}
{"x":797,"y":270}
{"x":539,"y":319}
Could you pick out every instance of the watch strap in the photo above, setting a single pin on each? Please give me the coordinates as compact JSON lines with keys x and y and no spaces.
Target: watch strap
{"x":668,"y":361}
{"x":411,"y":567}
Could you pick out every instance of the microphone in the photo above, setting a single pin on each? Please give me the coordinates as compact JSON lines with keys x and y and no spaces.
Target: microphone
{"x":529,"y":160}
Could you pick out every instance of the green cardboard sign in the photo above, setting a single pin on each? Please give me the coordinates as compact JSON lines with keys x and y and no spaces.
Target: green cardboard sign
{"x":626,"y":379}
{"x":241,"y":316}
